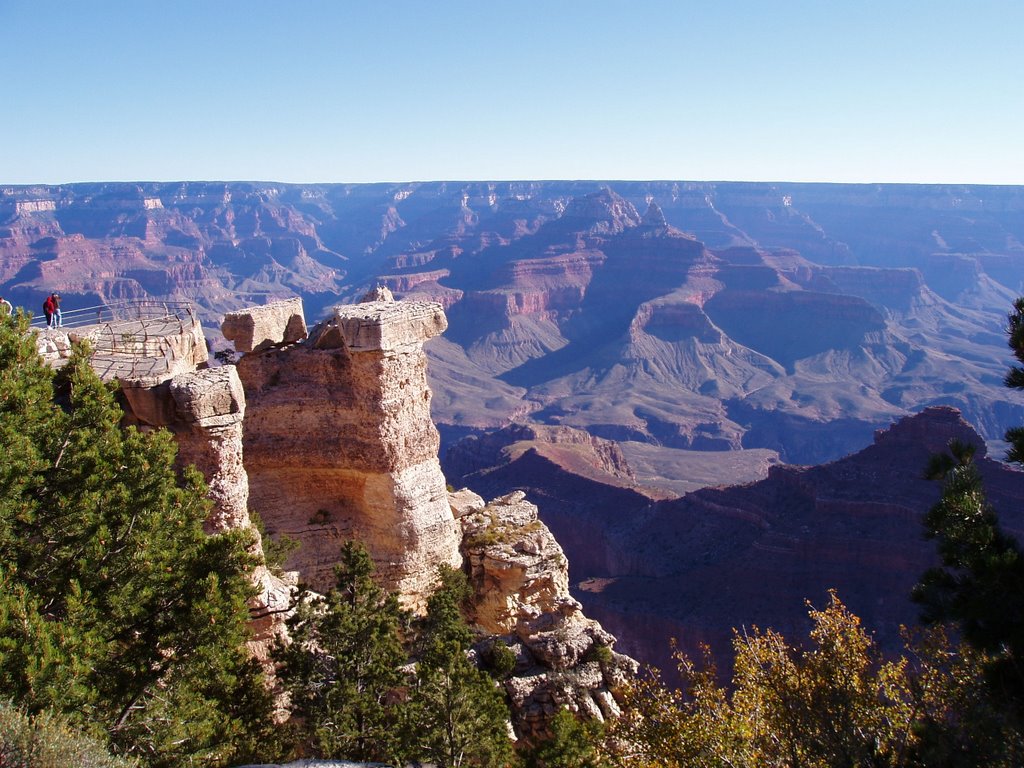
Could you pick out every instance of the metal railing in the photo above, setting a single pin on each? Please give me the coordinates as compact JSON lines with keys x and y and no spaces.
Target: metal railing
{"x":119,"y":311}
{"x":131,"y":337}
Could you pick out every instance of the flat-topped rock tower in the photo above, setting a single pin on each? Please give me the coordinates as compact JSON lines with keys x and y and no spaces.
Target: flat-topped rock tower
{"x":339,"y":444}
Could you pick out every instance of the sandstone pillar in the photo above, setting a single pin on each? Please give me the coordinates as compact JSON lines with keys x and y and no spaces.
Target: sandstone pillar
{"x":339,"y":444}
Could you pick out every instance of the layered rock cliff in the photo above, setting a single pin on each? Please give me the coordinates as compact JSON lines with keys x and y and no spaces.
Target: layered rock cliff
{"x":339,"y":444}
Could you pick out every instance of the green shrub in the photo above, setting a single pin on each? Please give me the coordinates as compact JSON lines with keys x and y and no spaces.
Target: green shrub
{"x":47,"y":741}
{"x":598,"y":652}
{"x":500,"y":659}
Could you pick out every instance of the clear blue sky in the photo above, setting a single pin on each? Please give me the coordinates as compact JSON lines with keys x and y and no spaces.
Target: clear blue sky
{"x":327,"y":90}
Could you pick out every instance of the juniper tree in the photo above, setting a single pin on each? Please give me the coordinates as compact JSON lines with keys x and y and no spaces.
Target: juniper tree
{"x":980,"y":584}
{"x":458,"y":715}
{"x":115,"y":608}
{"x":343,"y":666}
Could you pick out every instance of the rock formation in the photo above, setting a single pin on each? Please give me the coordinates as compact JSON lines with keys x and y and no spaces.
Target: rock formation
{"x":256,"y":328}
{"x":155,"y":363}
{"x":339,"y":444}
{"x":207,"y":421}
{"x":579,"y":449}
{"x":204,"y":410}
{"x":209,"y":409}
{"x":520,"y":579}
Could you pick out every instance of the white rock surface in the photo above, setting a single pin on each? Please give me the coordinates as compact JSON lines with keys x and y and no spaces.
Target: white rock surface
{"x":256,"y":328}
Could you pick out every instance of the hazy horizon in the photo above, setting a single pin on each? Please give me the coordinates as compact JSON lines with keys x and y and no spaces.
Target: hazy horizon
{"x":384,"y":182}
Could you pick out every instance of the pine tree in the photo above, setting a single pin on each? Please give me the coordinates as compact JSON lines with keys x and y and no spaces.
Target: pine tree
{"x":573,"y":743}
{"x":1015,"y":377}
{"x":343,"y":666}
{"x":980,"y":584}
{"x":458,"y":715}
{"x":116,"y":609}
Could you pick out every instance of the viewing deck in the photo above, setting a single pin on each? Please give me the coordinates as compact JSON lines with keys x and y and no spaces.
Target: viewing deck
{"x":144,"y":341}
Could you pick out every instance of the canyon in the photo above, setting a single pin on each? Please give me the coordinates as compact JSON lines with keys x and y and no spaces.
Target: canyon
{"x":657,"y":364}
{"x":796,"y":318}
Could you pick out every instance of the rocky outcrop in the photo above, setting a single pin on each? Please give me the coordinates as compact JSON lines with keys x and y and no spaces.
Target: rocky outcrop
{"x":600,"y":213}
{"x":654,"y":217}
{"x":520,"y":579}
{"x":384,"y":326}
{"x":54,"y":346}
{"x":339,"y":444}
{"x":208,"y":409}
{"x":676,"y":321}
{"x":279,"y":322}
{"x":585,"y":509}
{"x":204,"y":409}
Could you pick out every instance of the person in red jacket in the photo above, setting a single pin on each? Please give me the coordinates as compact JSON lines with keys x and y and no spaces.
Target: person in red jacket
{"x":52,"y":309}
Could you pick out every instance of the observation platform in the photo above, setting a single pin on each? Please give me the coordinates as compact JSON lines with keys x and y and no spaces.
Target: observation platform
{"x":141,"y":342}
